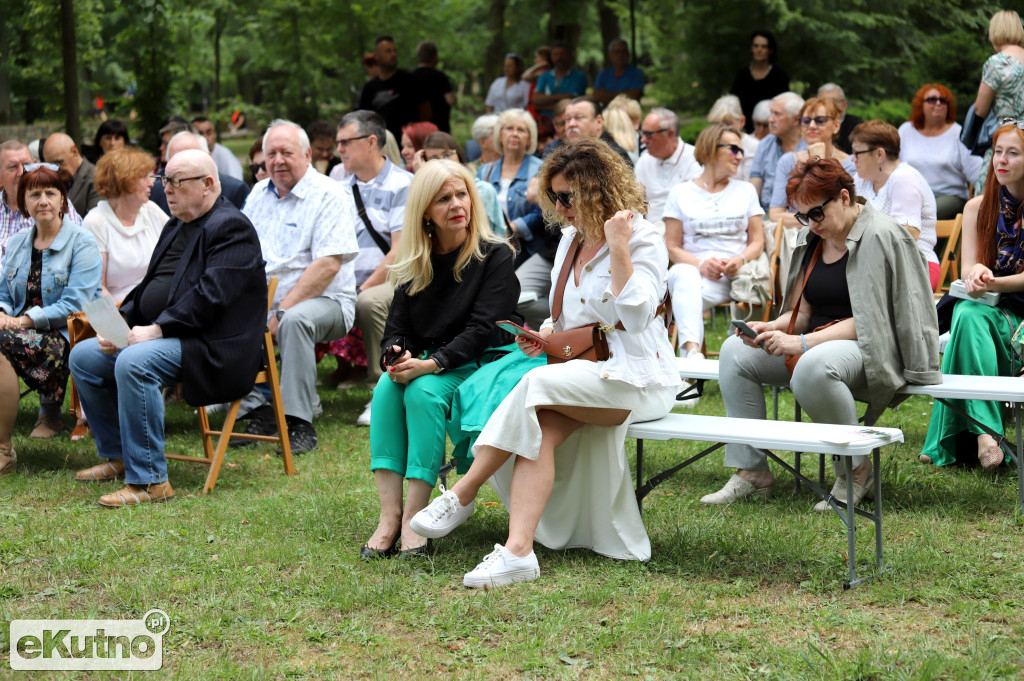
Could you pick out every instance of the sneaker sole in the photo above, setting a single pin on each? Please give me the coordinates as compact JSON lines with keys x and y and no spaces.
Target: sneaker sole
{"x":523,"y":575}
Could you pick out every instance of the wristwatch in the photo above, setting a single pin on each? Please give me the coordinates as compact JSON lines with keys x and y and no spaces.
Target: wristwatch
{"x":440,"y":368}
{"x":279,"y":314}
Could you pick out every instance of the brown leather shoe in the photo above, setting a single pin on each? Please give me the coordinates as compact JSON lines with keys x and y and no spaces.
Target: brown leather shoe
{"x":8,"y":459}
{"x":46,"y":428}
{"x":111,"y":469}
{"x":135,"y":495}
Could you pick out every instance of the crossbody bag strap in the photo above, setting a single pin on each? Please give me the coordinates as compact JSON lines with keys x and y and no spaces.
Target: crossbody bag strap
{"x":374,"y":234}
{"x":807,"y":275}
{"x":563,"y":278}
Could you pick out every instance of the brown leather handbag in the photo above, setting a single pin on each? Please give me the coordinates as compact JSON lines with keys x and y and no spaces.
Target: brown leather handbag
{"x":586,"y":342}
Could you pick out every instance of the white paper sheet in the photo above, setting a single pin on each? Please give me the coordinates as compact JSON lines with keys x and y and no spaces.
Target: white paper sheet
{"x":107,"y":321}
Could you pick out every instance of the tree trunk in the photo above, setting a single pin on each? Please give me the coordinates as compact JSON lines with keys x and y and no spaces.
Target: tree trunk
{"x":218,"y":32}
{"x":609,"y":25}
{"x":72,"y":124}
{"x":494,"y":56}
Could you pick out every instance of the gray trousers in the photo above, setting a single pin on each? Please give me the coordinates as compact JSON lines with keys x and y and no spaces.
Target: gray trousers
{"x":317,"y":320}
{"x":372,"y":308}
{"x":827,"y":382}
{"x":535,"y":275}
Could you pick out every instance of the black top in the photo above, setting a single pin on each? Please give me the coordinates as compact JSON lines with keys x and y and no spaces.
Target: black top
{"x":153,"y":297}
{"x":397,"y":99}
{"x":434,"y":85}
{"x":456,"y":319}
{"x":827,"y":291}
{"x":752,"y":91}
{"x":847,"y":126}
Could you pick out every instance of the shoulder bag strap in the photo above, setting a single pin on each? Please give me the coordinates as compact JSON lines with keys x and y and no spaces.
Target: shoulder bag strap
{"x":374,"y":234}
{"x":807,"y":275}
{"x":563,"y":277}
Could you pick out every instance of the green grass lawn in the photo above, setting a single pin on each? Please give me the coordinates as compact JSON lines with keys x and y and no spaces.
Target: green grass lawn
{"x":262,"y":578}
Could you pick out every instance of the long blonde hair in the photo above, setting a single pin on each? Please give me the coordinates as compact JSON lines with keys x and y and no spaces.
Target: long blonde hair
{"x":412,"y":265}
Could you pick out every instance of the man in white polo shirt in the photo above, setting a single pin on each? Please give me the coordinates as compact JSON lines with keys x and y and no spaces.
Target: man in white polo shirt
{"x":667,"y":162}
{"x":309,"y":244}
{"x":378,"y":192}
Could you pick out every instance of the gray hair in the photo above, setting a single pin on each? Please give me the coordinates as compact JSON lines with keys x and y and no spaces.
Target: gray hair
{"x":483,"y":127}
{"x":616,"y":41}
{"x":763,"y":111}
{"x":791,"y":101}
{"x":726,"y":110}
{"x":831,"y":87}
{"x":367,"y":123}
{"x":667,"y":117}
{"x":282,"y":123}
{"x":509,"y":116}
{"x":200,"y":142}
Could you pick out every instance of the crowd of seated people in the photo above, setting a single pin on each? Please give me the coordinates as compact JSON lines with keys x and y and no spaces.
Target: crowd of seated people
{"x":398,"y":252}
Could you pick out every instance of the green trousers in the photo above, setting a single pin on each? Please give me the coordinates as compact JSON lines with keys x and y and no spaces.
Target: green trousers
{"x":407,"y":424}
{"x":979,"y":345}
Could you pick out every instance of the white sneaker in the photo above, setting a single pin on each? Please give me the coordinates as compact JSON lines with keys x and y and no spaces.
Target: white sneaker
{"x":441,"y":516}
{"x":364,"y":418}
{"x":690,"y":402}
{"x":501,"y":567}
{"x":695,"y":353}
{"x":860,"y":492}
{"x":735,"y":489}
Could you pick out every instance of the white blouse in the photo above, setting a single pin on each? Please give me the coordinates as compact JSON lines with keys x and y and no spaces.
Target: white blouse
{"x":128,"y":248}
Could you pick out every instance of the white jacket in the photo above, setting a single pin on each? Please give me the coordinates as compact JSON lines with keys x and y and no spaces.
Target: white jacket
{"x":641,"y":354}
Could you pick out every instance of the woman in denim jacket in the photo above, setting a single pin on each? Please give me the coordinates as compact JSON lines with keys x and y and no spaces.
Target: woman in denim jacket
{"x":50,"y":271}
{"x":515,"y":138}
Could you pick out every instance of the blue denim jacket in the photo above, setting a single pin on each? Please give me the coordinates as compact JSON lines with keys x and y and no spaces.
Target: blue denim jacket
{"x":70,"y":278}
{"x":527,"y":216}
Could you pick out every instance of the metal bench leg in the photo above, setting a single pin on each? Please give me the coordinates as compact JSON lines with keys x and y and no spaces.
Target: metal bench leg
{"x":797,"y":416}
{"x":876,"y":463}
{"x":640,"y":473}
{"x":851,"y":524}
{"x":1020,"y":458}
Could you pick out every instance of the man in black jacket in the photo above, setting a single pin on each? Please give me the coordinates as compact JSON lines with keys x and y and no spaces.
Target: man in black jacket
{"x":197,"y":317}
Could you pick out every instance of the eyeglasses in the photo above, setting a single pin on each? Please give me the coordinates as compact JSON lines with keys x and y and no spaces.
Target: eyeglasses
{"x":648,"y":134}
{"x":176,"y":182}
{"x":936,"y":100}
{"x":816,"y":214}
{"x":343,"y":142}
{"x":856,"y":154}
{"x":734,"y":149}
{"x":257,"y":167}
{"x":29,"y":167}
{"x":564,"y":197}
{"x":819,"y":121}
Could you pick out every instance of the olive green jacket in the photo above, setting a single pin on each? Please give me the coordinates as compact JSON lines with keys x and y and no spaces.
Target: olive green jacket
{"x":893,"y":306}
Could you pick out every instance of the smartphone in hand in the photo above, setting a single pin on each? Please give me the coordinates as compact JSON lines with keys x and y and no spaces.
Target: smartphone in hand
{"x":517,"y":330}
{"x":745,"y":329}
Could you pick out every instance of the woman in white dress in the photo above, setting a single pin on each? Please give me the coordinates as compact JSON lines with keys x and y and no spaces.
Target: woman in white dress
{"x":126,"y":223}
{"x":574,"y":415}
{"x":712,"y":228}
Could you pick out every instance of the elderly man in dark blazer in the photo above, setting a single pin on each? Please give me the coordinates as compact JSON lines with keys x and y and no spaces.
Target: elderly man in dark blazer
{"x":197,"y":317}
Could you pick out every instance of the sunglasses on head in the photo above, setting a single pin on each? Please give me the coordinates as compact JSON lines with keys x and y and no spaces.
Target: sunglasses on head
{"x":816,"y":214}
{"x":806,"y":121}
{"x":29,"y":167}
{"x":1008,"y":120}
{"x":256,"y":167}
{"x":734,"y":149}
{"x":936,"y":100}
{"x":564,"y":197}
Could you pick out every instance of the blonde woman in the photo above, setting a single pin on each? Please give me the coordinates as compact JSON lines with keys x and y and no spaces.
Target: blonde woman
{"x":453,"y":280}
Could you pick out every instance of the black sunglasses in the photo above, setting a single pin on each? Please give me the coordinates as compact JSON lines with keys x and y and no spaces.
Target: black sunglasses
{"x":816,"y":214}
{"x":256,"y":167}
{"x":648,"y":134}
{"x":817,"y":120}
{"x":734,"y":149}
{"x":936,"y":100}
{"x":555,"y":197}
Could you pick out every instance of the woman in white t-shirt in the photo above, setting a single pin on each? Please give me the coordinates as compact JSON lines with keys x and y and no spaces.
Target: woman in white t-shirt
{"x":712,"y":228}
{"x":510,"y":91}
{"x":126,"y":224}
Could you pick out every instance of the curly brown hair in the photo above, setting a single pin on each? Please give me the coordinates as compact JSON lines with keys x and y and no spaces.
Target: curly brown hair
{"x":602,"y":184}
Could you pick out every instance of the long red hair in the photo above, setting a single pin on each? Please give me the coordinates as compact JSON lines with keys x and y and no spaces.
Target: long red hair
{"x":917,"y":106}
{"x":988,"y":214}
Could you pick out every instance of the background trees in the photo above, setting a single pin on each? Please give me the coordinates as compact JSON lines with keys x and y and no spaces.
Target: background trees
{"x":300,"y":58}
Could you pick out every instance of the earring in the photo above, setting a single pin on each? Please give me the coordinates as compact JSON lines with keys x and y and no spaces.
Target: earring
{"x":429,"y":227}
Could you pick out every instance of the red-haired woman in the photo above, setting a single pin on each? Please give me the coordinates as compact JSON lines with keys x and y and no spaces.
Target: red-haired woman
{"x":50,"y":270}
{"x":413,"y":135}
{"x":930,"y":143}
{"x":979,"y":339}
{"x":862,"y":289}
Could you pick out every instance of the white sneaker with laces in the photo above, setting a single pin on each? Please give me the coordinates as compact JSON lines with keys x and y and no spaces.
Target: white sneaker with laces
{"x":501,"y":567}
{"x":441,"y":516}
{"x":364,"y":418}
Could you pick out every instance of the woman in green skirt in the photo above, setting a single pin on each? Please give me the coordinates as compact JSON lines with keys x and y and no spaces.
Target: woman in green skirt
{"x":979,"y":339}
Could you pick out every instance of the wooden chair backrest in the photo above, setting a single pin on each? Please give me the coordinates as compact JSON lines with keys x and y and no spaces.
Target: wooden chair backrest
{"x":950,"y":262}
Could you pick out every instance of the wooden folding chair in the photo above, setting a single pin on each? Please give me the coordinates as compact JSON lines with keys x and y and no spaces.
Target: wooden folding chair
{"x":214,"y":458}
{"x":950,"y":261}
{"x":79,"y":329}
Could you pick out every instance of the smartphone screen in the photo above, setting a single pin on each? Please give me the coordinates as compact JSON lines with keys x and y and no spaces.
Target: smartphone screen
{"x":517,"y":330}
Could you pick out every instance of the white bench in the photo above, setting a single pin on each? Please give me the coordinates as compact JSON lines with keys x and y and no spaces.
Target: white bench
{"x":1007,"y":389}
{"x":838,"y":440}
